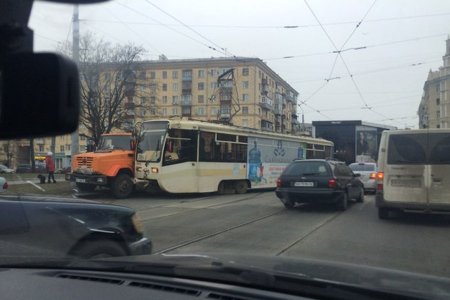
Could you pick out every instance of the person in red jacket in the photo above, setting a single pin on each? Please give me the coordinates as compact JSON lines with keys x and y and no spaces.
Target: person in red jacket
{"x":50,"y":164}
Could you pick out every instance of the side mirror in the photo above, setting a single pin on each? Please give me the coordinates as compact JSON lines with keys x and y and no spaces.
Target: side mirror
{"x":133,"y":144}
{"x":39,"y":95}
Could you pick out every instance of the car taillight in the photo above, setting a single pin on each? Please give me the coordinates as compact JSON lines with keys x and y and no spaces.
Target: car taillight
{"x":332,"y":183}
{"x":5,"y":185}
{"x":373,"y":175}
{"x":380,"y":177}
{"x":279,"y":182}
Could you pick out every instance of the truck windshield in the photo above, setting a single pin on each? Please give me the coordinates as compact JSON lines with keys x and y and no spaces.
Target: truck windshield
{"x":113,"y":142}
{"x":150,"y":145}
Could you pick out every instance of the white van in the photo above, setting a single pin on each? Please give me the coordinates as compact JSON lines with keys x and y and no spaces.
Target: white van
{"x":414,"y":171}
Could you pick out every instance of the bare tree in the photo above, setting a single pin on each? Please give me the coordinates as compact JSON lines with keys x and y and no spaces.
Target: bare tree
{"x":108,"y":83}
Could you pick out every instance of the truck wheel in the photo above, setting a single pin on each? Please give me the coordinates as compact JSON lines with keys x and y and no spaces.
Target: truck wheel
{"x":98,"y":249}
{"x":84,"y":187}
{"x":122,"y":186}
{"x":241,"y":187}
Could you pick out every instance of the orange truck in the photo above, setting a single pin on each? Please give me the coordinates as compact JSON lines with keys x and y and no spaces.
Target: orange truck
{"x":111,"y":165}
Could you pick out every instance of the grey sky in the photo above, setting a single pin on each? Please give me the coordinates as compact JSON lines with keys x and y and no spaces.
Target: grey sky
{"x":386,"y":72}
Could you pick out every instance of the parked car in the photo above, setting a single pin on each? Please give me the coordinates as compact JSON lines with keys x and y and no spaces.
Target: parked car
{"x":69,"y":227}
{"x":368,"y":172}
{"x":5,"y":170}
{"x":64,"y":170}
{"x":26,"y":168}
{"x":319,"y":181}
{"x":413,"y":174}
{"x":3,"y":185}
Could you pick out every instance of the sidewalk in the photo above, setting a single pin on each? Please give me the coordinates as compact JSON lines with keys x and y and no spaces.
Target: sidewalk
{"x":58,"y":178}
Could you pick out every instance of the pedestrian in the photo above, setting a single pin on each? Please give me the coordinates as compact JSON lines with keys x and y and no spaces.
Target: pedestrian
{"x":50,"y":167}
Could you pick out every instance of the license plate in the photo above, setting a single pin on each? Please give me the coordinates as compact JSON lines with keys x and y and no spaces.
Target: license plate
{"x":80,"y":180}
{"x":406,"y":183}
{"x":304,"y":184}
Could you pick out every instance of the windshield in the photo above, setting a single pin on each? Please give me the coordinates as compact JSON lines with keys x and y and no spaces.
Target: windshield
{"x":363,"y":167}
{"x":150,"y":146}
{"x":245,"y":117}
{"x":111,"y":142}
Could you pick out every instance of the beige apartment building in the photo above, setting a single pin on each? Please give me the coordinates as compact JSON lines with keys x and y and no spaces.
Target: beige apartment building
{"x":240,"y":91}
{"x":434,"y":108}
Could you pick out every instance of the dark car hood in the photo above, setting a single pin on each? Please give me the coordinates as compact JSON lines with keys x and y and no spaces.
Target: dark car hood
{"x":373,"y":278}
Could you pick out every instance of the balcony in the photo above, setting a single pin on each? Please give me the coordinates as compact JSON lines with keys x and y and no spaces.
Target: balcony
{"x":278,"y":109}
{"x":186,"y":87}
{"x":186,"y":100}
{"x":266,"y":103}
{"x":266,"y":126}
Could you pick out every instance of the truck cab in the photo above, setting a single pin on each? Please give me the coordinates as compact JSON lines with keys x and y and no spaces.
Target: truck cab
{"x":110,"y":165}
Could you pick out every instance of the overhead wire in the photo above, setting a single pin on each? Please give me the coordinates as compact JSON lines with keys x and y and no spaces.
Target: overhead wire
{"x":168,"y":27}
{"x":187,"y":26}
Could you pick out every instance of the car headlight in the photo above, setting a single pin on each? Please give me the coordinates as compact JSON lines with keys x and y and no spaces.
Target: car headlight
{"x":137,"y":223}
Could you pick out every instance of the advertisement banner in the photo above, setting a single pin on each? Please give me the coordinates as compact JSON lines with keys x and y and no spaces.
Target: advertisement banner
{"x":267,"y":158}
{"x":366,"y":144}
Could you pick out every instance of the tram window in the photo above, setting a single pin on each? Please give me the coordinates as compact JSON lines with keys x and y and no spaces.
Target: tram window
{"x":181,"y":146}
{"x":218,"y":150}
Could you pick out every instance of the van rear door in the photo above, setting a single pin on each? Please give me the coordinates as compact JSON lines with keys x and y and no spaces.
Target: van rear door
{"x":405,"y":171}
{"x":439,"y":159}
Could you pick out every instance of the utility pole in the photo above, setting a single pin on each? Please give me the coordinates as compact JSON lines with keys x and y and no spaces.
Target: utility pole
{"x":74,"y":148}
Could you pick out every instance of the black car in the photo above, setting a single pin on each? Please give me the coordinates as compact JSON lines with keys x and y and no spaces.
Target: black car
{"x":27,"y":168}
{"x":61,"y":227}
{"x":319,"y":181}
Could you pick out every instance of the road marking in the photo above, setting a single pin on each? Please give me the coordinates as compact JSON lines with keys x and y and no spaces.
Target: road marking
{"x":35,"y":185}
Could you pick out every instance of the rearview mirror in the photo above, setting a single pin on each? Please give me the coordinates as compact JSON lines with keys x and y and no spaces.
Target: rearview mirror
{"x":39,"y":95}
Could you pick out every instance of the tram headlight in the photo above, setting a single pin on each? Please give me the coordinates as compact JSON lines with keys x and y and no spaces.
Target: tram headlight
{"x":155,"y":170}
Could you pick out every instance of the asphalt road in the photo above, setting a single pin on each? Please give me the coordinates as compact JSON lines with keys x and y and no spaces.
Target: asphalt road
{"x":257,"y":223}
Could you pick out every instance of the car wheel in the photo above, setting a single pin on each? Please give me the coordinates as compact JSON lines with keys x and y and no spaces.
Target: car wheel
{"x":98,"y":249}
{"x":361,"y":196}
{"x":122,"y":186}
{"x":83,"y":187}
{"x":288,"y":202}
{"x":343,"y":202}
{"x":383,"y":213}
{"x":241,"y":187}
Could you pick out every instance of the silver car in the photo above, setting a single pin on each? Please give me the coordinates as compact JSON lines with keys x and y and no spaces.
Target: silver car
{"x":368,"y":172}
{"x":5,"y":170}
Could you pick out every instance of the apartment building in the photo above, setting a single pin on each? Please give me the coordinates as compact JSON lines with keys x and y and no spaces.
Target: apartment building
{"x":434,"y":107}
{"x":240,"y":91}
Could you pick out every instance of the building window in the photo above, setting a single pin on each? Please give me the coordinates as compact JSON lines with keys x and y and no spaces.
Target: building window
{"x":245,"y":84}
{"x":153,"y":100}
{"x":142,"y":75}
{"x":245,"y":97}
{"x":164,"y":99}
{"x":174,"y":111}
{"x":164,"y":87}
{"x":438,"y":114}
{"x":245,"y":72}
{"x":142,"y":87}
{"x":201,"y":98}
{"x":61,"y":148}
{"x":213,"y":85}
{"x":175,"y":87}
{"x":201,"y":111}
{"x":201,"y":73}
{"x":82,"y":137}
{"x":164,"y":111}
{"x":244,"y":122}
{"x":201,"y":86}
{"x":164,"y":74}
{"x":143,"y":100}
{"x":438,"y":101}
{"x":41,"y":148}
{"x":152,"y":75}
{"x":174,"y":74}
{"x":214,"y":111}
{"x":245,"y":110}
{"x":174,"y":100}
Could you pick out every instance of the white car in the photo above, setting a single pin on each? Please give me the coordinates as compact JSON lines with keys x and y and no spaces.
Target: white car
{"x":368,"y":172}
{"x":5,"y":170}
{"x":3,"y":185}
